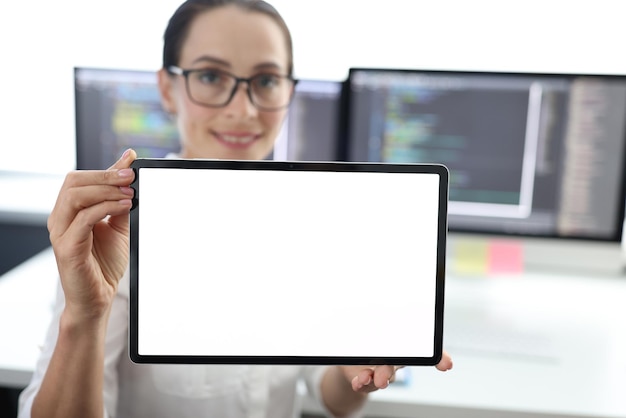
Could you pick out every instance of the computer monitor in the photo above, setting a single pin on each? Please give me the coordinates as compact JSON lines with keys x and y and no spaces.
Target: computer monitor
{"x":530,"y":155}
{"x":117,"y":109}
{"x":311,"y":129}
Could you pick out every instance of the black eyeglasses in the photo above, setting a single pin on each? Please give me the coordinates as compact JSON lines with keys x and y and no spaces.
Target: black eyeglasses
{"x":216,"y":88}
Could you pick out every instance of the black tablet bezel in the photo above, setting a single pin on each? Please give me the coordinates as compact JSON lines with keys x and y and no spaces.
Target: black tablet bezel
{"x":437,"y":169}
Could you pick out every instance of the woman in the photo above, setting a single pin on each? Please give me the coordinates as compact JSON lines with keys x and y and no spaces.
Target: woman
{"x":226,"y":76}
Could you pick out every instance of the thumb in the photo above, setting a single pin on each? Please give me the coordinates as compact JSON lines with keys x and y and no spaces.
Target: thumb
{"x":125,"y":160}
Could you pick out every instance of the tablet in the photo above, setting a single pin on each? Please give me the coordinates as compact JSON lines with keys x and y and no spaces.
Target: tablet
{"x":268,"y":262}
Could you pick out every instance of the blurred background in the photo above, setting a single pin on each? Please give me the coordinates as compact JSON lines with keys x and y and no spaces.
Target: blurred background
{"x":42,"y":42}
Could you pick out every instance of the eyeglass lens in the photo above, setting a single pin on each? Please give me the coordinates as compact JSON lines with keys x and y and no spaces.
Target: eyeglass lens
{"x":215,"y":88}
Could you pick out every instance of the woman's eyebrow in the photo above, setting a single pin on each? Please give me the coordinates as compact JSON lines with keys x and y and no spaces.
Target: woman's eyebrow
{"x":210,"y":59}
{"x":267,"y":66}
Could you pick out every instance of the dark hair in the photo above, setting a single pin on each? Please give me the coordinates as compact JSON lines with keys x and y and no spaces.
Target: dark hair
{"x":180,"y":22}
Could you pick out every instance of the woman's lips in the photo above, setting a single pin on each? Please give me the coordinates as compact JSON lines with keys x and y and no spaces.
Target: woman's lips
{"x":236,"y":140}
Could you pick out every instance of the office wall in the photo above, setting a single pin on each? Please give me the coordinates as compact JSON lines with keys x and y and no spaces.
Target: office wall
{"x":41,"y":41}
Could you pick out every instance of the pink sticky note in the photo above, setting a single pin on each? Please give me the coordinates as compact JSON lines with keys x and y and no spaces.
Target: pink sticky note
{"x":505,"y":257}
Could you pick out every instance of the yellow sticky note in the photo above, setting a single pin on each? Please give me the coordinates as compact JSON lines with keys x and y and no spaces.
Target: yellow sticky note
{"x":469,"y":257}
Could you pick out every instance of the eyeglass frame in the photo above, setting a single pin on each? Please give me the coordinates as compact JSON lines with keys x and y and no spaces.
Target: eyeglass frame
{"x":175,"y":70}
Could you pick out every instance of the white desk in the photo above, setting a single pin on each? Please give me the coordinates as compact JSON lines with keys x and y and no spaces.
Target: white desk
{"x":582,"y":374}
{"x":580,"y":322}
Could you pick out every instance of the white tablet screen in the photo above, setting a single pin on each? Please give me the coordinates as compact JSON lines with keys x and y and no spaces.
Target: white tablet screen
{"x":288,"y":265}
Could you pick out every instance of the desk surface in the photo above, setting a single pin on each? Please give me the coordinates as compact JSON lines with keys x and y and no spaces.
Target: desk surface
{"x":564,"y":354}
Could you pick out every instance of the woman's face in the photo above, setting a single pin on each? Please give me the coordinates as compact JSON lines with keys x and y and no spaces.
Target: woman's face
{"x":244,"y":44}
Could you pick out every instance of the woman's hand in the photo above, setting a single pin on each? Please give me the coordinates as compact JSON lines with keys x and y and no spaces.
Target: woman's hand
{"x":370,"y":379}
{"x":345,"y":388}
{"x":89,"y":231}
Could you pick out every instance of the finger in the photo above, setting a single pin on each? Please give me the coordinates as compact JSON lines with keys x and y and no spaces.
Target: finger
{"x":76,"y":245}
{"x":125,"y":160}
{"x":362,"y":379}
{"x":73,"y":199}
{"x":121,"y":221}
{"x":445,"y":363}
{"x":383,"y":375}
{"x":119,"y":174}
{"x":82,"y":225}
